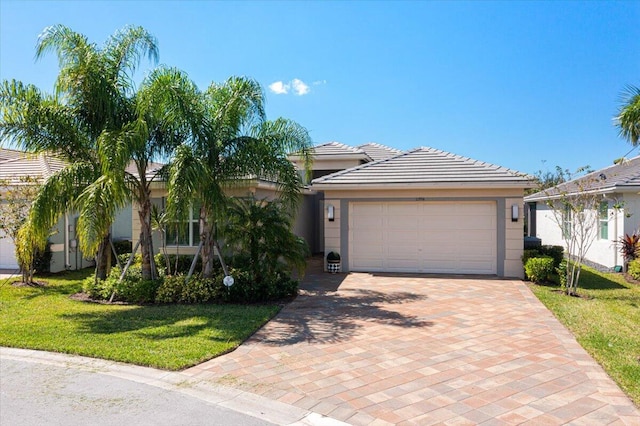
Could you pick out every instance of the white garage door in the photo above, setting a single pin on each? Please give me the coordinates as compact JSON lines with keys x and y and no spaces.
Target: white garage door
{"x":7,"y":254}
{"x":425,"y":237}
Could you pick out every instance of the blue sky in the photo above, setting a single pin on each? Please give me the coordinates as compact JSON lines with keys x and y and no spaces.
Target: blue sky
{"x":525,"y":85}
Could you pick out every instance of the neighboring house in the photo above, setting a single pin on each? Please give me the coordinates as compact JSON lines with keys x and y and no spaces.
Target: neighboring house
{"x":63,"y":242}
{"x":425,"y":211}
{"x":14,"y":165}
{"x":619,"y":210}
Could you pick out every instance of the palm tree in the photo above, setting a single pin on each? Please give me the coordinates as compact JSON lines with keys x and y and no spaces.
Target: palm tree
{"x":165,"y":113}
{"x":628,"y":119}
{"x":235,"y":143}
{"x":92,"y":95}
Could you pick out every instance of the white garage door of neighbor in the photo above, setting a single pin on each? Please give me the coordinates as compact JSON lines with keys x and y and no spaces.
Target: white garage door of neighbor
{"x":7,"y":254}
{"x":424,"y":237}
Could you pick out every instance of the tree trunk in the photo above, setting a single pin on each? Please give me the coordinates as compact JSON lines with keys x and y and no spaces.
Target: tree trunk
{"x":208,"y":243}
{"x":103,"y":258}
{"x":146,"y":246}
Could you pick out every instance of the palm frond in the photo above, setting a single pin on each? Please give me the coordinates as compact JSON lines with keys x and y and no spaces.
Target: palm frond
{"x":628,"y":118}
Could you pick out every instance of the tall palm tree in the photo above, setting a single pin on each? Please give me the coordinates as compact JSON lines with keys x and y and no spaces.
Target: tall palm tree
{"x":92,"y":95}
{"x":165,"y":114}
{"x":235,"y":143}
{"x":628,"y":119}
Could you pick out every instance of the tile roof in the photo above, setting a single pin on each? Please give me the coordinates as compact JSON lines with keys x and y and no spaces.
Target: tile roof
{"x":625,"y":175}
{"x":20,"y":164}
{"x":377,"y":151}
{"x":337,"y":149}
{"x":426,"y":166}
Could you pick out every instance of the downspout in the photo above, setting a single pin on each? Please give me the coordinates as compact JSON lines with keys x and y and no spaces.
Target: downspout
{"x":615,"y":233}
{"x":67,"y":264}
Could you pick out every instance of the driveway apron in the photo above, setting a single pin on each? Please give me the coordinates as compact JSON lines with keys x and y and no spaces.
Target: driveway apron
{"x":410,"y":349}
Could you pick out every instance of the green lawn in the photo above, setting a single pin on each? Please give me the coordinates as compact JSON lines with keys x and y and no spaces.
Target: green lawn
{"x":170,"y":337}
{"x":606,"y":323}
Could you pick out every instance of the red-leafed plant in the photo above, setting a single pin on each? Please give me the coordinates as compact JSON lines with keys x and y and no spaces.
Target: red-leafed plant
{"x":629,"y":247}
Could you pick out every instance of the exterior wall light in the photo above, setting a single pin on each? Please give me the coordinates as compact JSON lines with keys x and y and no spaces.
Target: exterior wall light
{"x":514,"y":213}
{"x":330,"y":213}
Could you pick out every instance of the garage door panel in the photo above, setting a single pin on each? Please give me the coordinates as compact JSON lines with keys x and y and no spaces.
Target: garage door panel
{"x":431,"y":237}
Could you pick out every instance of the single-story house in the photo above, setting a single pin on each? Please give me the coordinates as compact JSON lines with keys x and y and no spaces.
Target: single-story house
{"x":425,"y":211}
{"x":384,"y":210}
{"x":14,"y":166}
{"x":618,"y":212}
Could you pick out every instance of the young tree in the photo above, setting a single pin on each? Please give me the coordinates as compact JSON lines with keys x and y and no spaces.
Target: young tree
{"x":576,"y":211}
{"x":15,"y":201}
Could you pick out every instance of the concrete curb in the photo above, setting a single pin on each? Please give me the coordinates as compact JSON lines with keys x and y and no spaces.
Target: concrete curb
{"x":234,"y":399}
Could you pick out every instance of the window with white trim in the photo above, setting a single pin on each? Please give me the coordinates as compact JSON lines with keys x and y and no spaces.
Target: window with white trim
{"x":186,"y":233}
{"x":603,"y":220}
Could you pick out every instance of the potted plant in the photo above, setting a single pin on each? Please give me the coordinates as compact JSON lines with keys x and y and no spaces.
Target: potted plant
{"x":333,"y":262}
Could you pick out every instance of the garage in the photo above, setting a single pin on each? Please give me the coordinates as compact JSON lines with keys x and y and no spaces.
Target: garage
{"x":423,"y":237}
{"x":7,"y":254}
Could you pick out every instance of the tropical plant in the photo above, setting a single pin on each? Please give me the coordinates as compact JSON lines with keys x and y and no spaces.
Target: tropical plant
{"x":235,"y":145}
{"x":628,"y":118}
{"x":93,"y":96}
{"x":260,"y":231}
{"x":629,"y":247}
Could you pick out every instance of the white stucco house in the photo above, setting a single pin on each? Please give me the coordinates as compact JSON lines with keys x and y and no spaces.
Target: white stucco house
{"x":618,"y":211}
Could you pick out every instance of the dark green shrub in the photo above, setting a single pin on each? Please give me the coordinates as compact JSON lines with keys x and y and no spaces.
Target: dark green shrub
{"x":528,"y":254}
{"x":122,"y":246}
{"x":333,"y":256}
{"x":42,"y":260}
{"x":182,"y":265}
{"x":132,"y":289}
{"x":634,"y":269}
{"x":555,"y":252}
{"x":539,"y":269}
{"x":170,"y":290}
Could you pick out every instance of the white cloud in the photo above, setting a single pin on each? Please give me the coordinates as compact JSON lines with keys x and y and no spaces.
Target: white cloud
{"x":296,"y":85}
{"x":299,"y":87}
{"x":319,"y":82}
{"x":279,"y":88}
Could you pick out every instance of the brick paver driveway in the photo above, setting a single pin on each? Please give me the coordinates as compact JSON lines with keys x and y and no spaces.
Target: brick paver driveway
{"x":422,"y":350}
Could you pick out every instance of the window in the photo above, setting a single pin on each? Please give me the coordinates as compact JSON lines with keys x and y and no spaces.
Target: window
{"x":185,"y":233}
{"x":603,"y":221}
{"x":566,"y":223}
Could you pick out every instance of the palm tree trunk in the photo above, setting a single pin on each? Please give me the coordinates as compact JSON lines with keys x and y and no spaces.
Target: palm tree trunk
{"x":208,"y":243}
{"x":146,"y":247}
{"x":103,"y":258}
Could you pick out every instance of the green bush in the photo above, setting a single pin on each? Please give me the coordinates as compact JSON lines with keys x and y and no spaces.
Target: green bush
{"x":183,"y":264}
{"x":562,"y":273}
{"x":132,"y":289}
{"x":555,"y":252}
{"x":122,"y":246}
{"x":634,"y":269}
{"x":528,"y":254}
{"x":539,"y":269}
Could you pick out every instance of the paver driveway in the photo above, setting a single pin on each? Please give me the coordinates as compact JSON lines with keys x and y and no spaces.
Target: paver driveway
{"x":422,"y":350}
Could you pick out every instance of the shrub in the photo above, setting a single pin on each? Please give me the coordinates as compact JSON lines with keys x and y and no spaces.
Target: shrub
{"x":634,"y":269}
{"x":562,"y":273}
{"x":42,"y":260}
{"x":539,"y":269}
{"x":333,"y":256}
{"x":555,"y":252}
{"x":132,"y":289}
{"x":528,"y":254}
{"x":122,"y":246}
{"x":183,"y":263}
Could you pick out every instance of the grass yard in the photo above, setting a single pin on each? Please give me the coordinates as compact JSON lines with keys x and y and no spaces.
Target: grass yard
{"x":170,"y":337}
{"x":607,"y":323}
